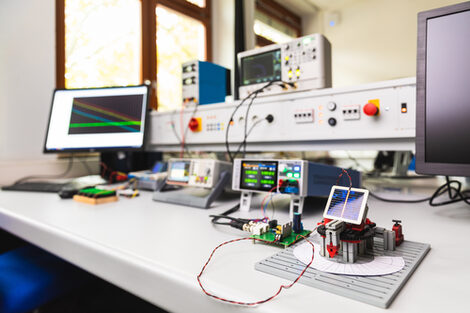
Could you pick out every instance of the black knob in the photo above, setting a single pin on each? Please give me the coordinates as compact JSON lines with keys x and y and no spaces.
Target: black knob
{"x":332,"y":121}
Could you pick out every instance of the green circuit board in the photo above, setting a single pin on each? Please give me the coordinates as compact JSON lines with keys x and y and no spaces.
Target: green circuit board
{"x":270,"y":237}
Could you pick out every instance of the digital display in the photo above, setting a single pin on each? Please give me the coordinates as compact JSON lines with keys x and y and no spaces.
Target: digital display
{"x":258,"y":175}
{"x":110,"y":114}
{"x":346,"y":204}
{"x":447,"y":89}
{"x":179,"y":171}
{"x":260,"y":68}
{"x":290,"y":173}
{"x":290,"y":170}
{"x":97,"y":118}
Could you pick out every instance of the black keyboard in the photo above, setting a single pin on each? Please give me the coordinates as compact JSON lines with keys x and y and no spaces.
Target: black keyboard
{"x":36,"y":186}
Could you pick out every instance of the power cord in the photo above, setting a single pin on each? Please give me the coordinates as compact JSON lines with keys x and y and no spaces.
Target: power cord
{"x":227,"y":147}
{"x":254,"y":94}
{"x":61,"y":175}
{"x":269,"y":118}
{"x":85,"y":165}
{"x":456,"y":194}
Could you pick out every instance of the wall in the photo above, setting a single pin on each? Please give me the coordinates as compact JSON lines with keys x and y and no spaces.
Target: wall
{"x":27,"y":76}
{"x":27,"y":79}
{"x":223,"y":29}
{"x":375,"y":39}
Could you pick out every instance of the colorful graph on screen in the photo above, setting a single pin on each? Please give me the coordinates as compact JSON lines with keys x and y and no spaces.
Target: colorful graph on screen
{"x":107,"y":114}
{"x":346,"y":205}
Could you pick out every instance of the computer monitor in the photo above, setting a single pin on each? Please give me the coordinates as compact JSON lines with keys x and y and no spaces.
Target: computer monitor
{"x":97,"y":119}
{"x":443,"y":91}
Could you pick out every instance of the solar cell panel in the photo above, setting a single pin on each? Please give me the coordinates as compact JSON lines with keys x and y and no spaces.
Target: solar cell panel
{"x":346,"y":204}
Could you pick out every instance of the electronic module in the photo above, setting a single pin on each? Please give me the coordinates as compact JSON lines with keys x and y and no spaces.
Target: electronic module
{"x":210,"y":177}
{"x":203,"y":173}
{"x":297,"y":178}
{"x":301,"y":64}
{"x":204,"y":83}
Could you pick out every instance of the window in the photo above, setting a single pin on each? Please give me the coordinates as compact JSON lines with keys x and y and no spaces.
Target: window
{"x":102,"y":43}
{"x":179,"y":39}
{"x":126,"y":42}
{"x":274,"y":23}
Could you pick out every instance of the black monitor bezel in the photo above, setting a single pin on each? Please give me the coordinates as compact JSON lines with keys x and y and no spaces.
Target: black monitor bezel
{"x":257,"y":161}
{"x":100,"y":149}
{"x":423,"y":167}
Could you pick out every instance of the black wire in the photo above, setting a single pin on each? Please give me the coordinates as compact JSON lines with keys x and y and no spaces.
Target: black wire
{"x":227,"y":146}
{"x":61,"y":175}
{"x":234,"y":222}
{"x":398,"y":200}
{"x":243,"y":143}
{"x":449,"y":189}
{"x":219,"y":223}
{"x":225,"y":214}
{"x":245,"y":133}
{"x":458,"y":196}
{"x":374,"y":174}
{"x":248,"y":112}
{"x":217,"y":217}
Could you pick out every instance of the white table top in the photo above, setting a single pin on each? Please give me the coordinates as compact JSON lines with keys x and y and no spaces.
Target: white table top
{"x":155,"y":251}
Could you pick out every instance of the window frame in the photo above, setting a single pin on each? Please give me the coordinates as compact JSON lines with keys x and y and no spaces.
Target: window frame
{"x":281,"y":14}
{"x":149,"y":38}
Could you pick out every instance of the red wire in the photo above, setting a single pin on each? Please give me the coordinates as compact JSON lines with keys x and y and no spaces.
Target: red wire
{"x":257,"y":302}
{"x":262,"y":202}
{"x":182,"y":131}
{"x":105,"y":168}
{"x":340,"y":175}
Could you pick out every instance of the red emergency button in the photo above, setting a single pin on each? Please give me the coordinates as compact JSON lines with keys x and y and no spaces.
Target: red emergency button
{"x":195,"y":124}
{"x":371,"y":109}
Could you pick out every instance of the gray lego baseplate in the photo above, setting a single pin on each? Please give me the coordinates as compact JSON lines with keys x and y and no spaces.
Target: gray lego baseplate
{"x":379,"y":291}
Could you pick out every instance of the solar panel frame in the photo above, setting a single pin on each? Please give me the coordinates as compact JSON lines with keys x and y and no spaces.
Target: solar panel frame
{"x":362,"y":210}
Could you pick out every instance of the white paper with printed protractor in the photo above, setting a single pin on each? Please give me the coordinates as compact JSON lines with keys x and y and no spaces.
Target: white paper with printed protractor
{"x":380,"y":265}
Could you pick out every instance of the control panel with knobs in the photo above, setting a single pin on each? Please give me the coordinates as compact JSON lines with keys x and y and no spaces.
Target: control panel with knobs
{"x":382,"y":112}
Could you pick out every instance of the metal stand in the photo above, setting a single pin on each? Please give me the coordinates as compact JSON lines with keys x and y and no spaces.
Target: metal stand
{"x":296,"y":206}
{"x":245,"y":201}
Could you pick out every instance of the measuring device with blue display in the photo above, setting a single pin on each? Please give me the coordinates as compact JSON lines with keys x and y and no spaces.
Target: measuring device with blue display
{"x":297,"y":178}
